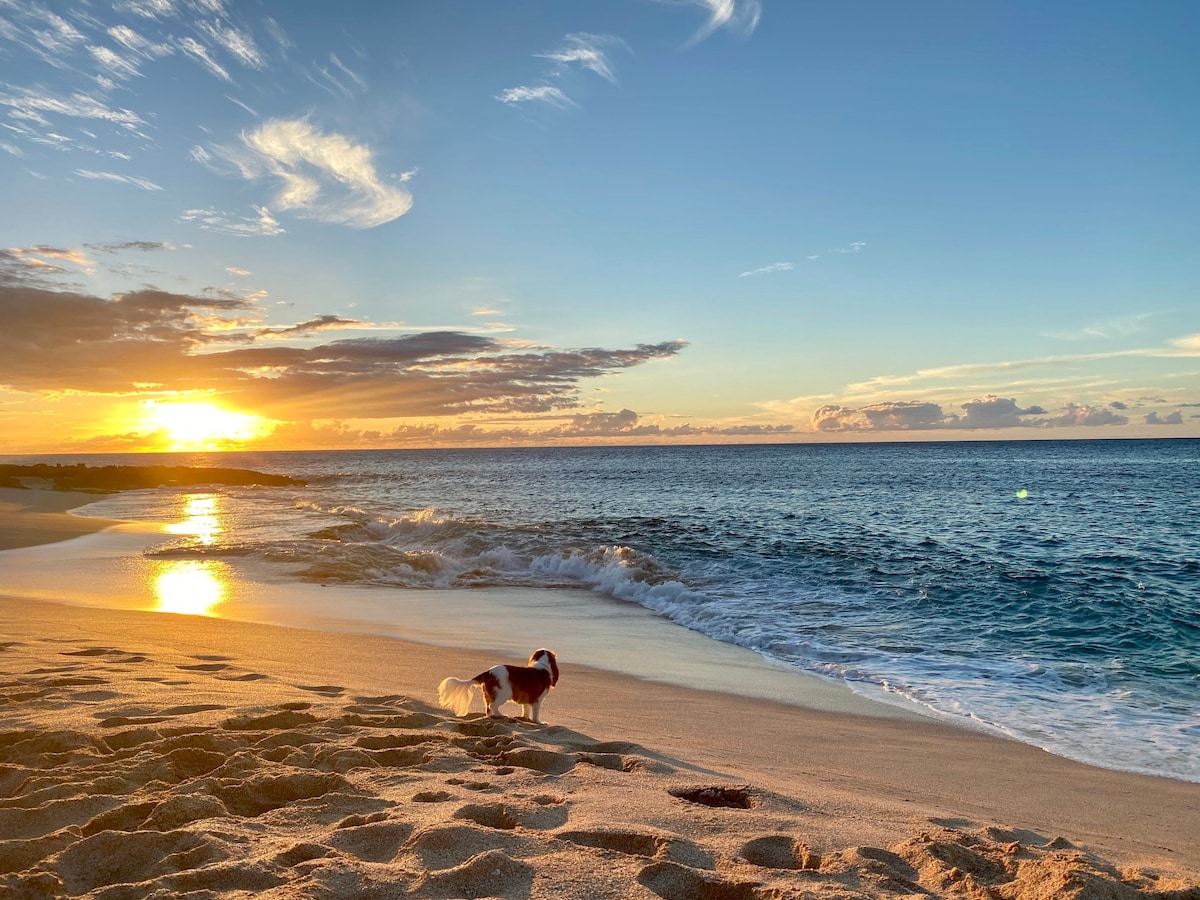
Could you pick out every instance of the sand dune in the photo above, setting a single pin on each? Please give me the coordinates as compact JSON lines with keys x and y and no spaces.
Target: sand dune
{"x":130,"y":773}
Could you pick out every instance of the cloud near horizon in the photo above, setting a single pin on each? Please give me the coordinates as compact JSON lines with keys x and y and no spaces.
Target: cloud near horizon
{"x":987,"y":412}
{"x":148,"y":342}
{"x":338,"y":434}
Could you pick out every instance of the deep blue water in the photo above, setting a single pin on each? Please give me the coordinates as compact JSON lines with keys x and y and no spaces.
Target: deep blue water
{"x":1050,"y":589}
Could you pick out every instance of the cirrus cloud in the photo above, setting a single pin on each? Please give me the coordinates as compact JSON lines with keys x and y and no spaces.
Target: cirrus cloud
{"x":321,"y":176}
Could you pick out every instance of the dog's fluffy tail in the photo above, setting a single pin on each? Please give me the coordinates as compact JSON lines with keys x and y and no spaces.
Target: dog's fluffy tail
{"x":456,"y":694}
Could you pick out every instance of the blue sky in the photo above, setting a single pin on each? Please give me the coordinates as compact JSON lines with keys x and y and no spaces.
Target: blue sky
{"x":403,"y":224}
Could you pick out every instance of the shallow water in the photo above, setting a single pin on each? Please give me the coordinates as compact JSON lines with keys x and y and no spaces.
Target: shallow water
{"x":1048,"y":589}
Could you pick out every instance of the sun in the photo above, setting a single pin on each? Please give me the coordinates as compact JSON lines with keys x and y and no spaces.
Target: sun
{"x":200,"y":426}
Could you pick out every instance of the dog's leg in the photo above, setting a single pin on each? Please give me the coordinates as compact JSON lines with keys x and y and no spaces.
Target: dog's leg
{"x":502,"y":691}
{"x":533,"y":713}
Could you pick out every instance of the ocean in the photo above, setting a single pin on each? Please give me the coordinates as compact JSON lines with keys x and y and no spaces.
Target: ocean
{"x":1047,"y":590}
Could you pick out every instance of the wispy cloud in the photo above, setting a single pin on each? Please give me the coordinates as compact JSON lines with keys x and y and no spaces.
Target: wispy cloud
{"x":234,"y":270}
{"x":787,"y":266}
{"x":1189,"y":344}
{"x":144,"y":183}
{"x":148,"y":9}
{"x":342,"y":83}
{"x":739,"y":17}
{"x":237,"y":43}
{"x":545,"y":93}
{"x":767,"y":270}
{"x":53,"y":37}
{"x":349,"y":73}
{"x":855,"y":247}
{"x":136,"y":43}
{"x":236,"y":102}
{"x":143,"y":246}
{"x":199,"y":52}
{"x":263,"y":224}
{"x":1118,"y":326}
{"x":588,"y":51}
{"x":322,"y":176}
{"x":35,"y":105}
{"x":115,"y":65}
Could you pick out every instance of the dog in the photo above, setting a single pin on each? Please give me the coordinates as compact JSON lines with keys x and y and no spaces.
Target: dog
{"x":527,"y":685}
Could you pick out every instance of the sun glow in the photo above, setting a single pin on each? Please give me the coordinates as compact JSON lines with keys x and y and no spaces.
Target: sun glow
{"x":200,"y":426}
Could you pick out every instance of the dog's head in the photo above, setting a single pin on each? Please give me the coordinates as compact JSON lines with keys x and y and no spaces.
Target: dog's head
{"x":545,"y":659}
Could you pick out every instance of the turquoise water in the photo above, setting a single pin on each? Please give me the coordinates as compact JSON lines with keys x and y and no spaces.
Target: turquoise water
{"x":1047,"y":589}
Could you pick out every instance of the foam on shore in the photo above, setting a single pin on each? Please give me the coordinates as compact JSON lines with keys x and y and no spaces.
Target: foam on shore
{"x":109,"y":569}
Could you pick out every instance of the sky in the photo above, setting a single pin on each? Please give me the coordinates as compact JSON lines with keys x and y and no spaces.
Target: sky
{"x":264,"y":224}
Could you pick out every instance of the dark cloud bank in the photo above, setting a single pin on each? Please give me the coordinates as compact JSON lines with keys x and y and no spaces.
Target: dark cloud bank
{"x":56,"y":341}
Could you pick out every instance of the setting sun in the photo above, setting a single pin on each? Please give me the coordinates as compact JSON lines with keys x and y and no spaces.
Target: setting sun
{"x":201,"y":426}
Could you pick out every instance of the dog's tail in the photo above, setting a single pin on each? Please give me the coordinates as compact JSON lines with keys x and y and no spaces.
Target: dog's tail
{"x":456,"y":694}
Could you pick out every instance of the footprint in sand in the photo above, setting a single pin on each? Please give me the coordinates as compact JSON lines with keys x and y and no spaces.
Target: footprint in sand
{"x":673,"y":881}
{"x":326,"y":690}
{"x":205,"y":667}
{"x":377,"y":842}
{"x":447,"y":846}
{"x":779,"y":851}
{"x":490,"y":874}
{"x":669,"y":847}
{"x":490,"y":815}
{"x":721,"y":796}
{"x":431,"y":797}
{"x":75,"y":680}
{"x":193,"y":708}
{"x":93,"y":696}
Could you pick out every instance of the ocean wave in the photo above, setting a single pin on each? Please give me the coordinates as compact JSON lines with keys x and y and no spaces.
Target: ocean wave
{"x":425,"y":549}
{"x":910,"y":574}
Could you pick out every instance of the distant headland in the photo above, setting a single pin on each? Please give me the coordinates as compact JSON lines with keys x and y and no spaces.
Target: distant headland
{"x":107,"y":479}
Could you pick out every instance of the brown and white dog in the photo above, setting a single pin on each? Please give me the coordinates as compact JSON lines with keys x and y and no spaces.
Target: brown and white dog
{"x":526,"y":685}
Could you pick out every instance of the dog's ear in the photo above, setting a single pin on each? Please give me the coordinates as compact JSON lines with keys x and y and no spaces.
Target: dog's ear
{"x":549,"y":656}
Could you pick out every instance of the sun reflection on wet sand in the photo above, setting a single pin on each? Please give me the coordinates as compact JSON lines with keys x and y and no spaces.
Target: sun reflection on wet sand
{"x":192,"y":587}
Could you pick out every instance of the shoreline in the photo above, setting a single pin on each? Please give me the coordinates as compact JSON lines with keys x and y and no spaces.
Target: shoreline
{"x":31,"y":517}
{"x":832,"y":777}
{"x":107,"y":570}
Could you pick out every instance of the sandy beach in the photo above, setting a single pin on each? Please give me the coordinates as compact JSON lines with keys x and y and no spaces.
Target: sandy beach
{"x":153,"y":754}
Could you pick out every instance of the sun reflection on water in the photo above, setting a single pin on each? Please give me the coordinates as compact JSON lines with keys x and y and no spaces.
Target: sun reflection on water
{"x":201,"y":520}
{"x":193,"y":587}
